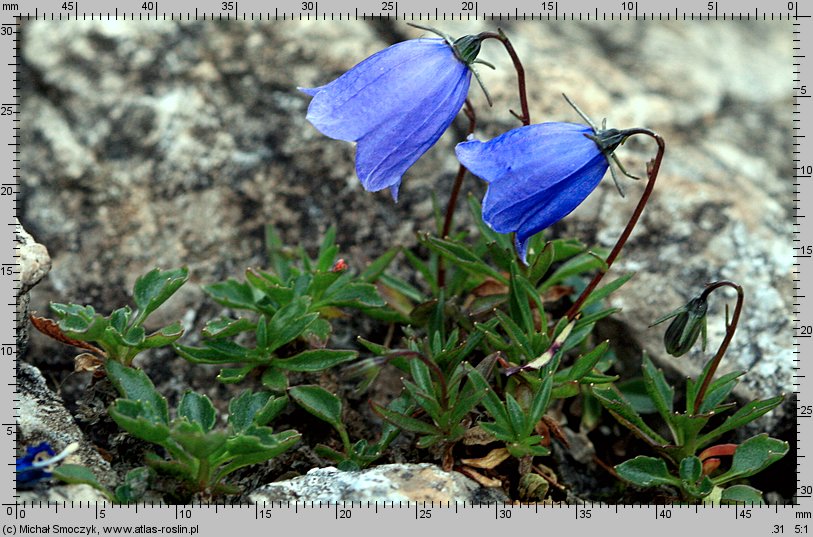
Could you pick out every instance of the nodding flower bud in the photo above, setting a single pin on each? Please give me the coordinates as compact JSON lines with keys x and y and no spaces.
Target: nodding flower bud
{"x":689,"y":321}
{"x":467,"y":47}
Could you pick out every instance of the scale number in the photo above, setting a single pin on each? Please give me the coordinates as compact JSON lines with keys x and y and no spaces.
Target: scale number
{"x":343,"y":514}
{"x":68,"y":6}
{"x":149,"y":6}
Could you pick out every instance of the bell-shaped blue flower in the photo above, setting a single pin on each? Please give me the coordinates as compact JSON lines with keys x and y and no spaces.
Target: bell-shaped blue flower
{"x":395,"y":104}
{"x":537,"y":174}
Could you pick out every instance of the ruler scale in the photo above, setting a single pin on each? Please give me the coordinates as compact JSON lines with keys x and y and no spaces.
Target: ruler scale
{"x":404,"y":517}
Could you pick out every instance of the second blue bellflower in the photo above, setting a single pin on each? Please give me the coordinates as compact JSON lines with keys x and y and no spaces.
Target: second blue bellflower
{"x":537,"y":174}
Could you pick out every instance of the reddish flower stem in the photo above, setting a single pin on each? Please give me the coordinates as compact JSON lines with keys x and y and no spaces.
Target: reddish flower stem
{"x":652,"y":174}
{"x":729,"y":335}
{"x":525,"y":117}
{"x":468,"y":109}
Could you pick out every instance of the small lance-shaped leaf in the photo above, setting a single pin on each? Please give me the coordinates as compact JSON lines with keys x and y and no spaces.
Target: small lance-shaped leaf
{"x":197,"y":408}
{"x":743,"y":416}
{"x":611,"y":399}
{"x":227,"y":327}
{"x":403,"y":421}
{"x":249,"y":409}
{"x":741,"y":494}
{"x":162,"y":338}
{"x":155,"y":287}
{"x":661,"y":393}
{"x":585,"y":364}
{"x":691,"y":468}
{"x":315,"y":360}
{"x":603,"y":292}
{"x":75,"y":474}
{"x":461,"y":256}
{"x":289,"y":322}
{"x":355,"y":295}
{"x":646,"y":472}
{"x":135,"y":385}
{"x":319,"y":402}
{"x":753,"y":456}
{"x":578,"y":265}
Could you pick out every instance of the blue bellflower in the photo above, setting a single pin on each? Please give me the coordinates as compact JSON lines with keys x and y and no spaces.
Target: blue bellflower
{"x":36,"y":464}
{"x":538,"y":174}
{"x":395,"y":104}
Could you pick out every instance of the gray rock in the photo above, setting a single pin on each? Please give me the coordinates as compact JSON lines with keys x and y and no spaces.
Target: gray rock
{"x":43,"y":418}
{"x":34,"y":265}
{"x":389,"y":482}
{"x":174,"y":144}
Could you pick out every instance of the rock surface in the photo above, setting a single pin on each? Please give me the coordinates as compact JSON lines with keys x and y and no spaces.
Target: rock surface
{"x":34,"y":265}
{"x":388,"y":482}
{"x":165,"y":144}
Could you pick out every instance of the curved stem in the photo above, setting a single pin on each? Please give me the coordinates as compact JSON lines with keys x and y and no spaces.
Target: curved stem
{"x":525,"y":117}
{"x":729,"y":335}
{"x":468,"y":109}
{"x":653,"y":167}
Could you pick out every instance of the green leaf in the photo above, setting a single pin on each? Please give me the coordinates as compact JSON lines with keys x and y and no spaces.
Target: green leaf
{"x":315,"y":360}
{"x":634,"y":391}
{"x":75,"y":474}
{"x":319,"y":402}
{"x":584,"y":364}
{"x":461,"y":257}
{"x":353,"y":295}
{"x":661,"y":393}
{"x":753,"y":456}
{"x":603,"y":292}
{"x":612,"y":400}
{"x":576,"y":266}
{"x":646,"y":472}
{"x":230,"y":375}
{"x":516,"y":415}
{"x":154,"y":288}
{"x":197,"y":408}
{"x":227,"y":327}
{"x":275,"y":380}
{"x":741,"y":494}
{"x":289,"y":322}
{"x":519,"y":302}
{"x":232,"y":294}
{"x":403,"y":421}
{"x":194,"y":441}
{"x":259,"y":408}
{"x":327,"y":250}
{"x":257,"y":447}
{"x":719,"y":390}
{"x":218,"y":351}
{"x":138,"y":419}
{"x":541,"y":263}
{"x":691,"y":468}
{"x":135,"y":385}
{"x":746,"y":414}
{"x":163,"y":337}
{"x":494,"y":406}
{"x":540,"y":403}
{"x":377,"y":267}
